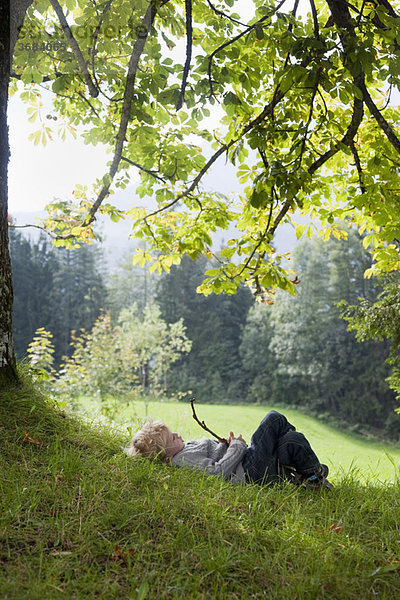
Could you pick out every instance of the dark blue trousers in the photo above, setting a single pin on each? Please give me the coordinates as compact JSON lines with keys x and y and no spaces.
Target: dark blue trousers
{"x":274,"y":445}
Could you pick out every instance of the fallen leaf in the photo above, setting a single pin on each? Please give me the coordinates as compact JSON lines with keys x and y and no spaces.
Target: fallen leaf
{"x":119,"y":555}
{"x":334,"y":529}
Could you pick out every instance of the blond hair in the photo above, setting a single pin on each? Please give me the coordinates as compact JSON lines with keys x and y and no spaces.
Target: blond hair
{"x":150,"y":441}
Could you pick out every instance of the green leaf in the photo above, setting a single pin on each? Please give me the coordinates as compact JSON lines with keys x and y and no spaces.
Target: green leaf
{"x":227,"y":252}
{"x":35,"y":137}
{"x":259,"y":31}
{"x":300,"y":229}
{"x":59,"y":84}
{"x":231,"y":98}
{"x":259,"y":199}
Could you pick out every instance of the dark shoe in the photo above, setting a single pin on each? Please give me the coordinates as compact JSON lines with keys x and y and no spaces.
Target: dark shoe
{"x":293,"y":476}
{"x":314,"y":481}
{"x":318,"y":479}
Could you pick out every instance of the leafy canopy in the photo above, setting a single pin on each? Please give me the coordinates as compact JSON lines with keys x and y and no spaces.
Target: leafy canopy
{"x":298,"y":99}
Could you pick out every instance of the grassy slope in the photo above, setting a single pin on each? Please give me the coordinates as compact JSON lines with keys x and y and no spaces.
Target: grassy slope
{"x":78,"y":519}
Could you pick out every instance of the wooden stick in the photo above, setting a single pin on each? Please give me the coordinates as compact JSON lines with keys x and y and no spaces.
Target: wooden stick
{"x":203,"y":425}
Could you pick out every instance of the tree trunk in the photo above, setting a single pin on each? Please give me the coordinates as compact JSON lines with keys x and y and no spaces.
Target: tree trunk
{"x":10,"y":25}
{"x":7,"y":357}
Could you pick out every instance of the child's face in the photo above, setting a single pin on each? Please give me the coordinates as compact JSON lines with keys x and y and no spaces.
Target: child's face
{"x":173,"y":443}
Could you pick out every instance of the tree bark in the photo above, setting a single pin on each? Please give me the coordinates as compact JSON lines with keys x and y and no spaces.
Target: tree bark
{"x":11,"y":19}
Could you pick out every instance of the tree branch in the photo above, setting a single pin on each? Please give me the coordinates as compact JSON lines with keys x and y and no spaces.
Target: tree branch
{"x":92,"y":108}
{"x":148,"y":171}
{"x":44,"y":229}
{"x":95,"y":36}
{"x":389,"y":8}
{"x":380,"y":119}
{"x":94,"y":92}
{"x":342,"y":19}
{"x":126,"y":106}
{"x":315,"y":19}
{"x":220,"y":13}
{"x":357,"y":116}
{"x":347,"y":139}
{"x":314,"y":93}
{"x":263,"y":158}
{"x":17,"y":16}
{"x":189,"y":36}
{"x":260,"y":241}
{"x":358,"y":166}
{"x":360,"y":12}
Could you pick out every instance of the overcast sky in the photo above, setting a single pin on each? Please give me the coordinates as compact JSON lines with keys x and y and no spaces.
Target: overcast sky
{"x":38,"y":174}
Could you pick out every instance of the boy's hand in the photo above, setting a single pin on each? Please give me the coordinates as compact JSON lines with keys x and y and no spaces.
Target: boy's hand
{"x":233,"y":437}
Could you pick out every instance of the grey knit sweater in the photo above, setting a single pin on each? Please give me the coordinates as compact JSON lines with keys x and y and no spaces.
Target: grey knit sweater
{"x":213,"y":458}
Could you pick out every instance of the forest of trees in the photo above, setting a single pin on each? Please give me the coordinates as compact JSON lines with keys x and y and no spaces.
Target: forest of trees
{"x":60,"y":290}
{"x":130,"y":333}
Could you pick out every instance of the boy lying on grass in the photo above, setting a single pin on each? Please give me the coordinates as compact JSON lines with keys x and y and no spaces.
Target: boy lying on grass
{"x":276,"y":450}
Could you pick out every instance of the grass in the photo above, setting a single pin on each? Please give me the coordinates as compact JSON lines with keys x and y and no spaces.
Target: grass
{"x":81,"y":520}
